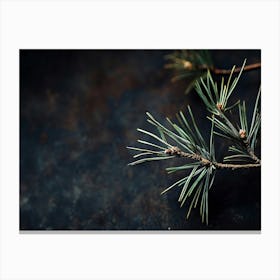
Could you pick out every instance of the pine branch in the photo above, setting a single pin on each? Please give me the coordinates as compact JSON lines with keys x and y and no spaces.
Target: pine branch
{"x":185,"y":140}
{"x":193,"y":65}
{"x":251,"y":152}
{"x":239,"y":137}
{"x":216,"y":102}
{"x":247,"y":68}
{"x":216,"y":98}
{"x":206,"y":162}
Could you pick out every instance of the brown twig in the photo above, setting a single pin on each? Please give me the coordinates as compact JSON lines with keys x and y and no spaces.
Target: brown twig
{"x":176,"y":151}
{"x":250,"y":152}
{"x":249,"y":67}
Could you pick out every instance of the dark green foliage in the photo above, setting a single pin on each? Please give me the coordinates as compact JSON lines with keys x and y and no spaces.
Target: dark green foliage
{"x":190,"y":65}
{"x":189,"y":139}
{"x":184,"y":139}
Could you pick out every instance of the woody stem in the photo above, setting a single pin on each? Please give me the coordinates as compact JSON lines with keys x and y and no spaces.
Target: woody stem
{"x":250,"y":152}
{"x":176,"y":151}
{"x":249,"y":67}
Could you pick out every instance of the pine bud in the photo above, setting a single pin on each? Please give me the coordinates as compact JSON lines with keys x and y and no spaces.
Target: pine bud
{"x":187,"y":65}
{"x":242,"y":133}
{"x":220,"y":106}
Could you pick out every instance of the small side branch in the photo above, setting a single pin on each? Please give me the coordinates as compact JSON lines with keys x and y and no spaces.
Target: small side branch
{"x":177,"y":152}
{"x":236,"y":166}
{"x":251,"y":153}
{"x":249,"y":67}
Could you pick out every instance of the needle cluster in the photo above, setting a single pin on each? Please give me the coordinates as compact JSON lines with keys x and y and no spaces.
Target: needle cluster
{"x":183,"y":138}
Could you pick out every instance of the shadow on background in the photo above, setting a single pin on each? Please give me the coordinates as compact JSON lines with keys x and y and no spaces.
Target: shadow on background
{"x":79,"y":109}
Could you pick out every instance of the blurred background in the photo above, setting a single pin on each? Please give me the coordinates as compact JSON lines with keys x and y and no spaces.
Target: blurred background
{"x":79,"y":109}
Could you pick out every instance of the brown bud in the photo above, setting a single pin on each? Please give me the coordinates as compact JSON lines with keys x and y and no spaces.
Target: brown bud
{"x":220,"y":106}
{"x":187,"y":65}
{"x":242,"y":133}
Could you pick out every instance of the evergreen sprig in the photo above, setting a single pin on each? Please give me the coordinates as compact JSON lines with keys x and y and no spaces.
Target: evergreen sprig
{"x":184,"y":139}
{"x":193,"y":65}
{"x":216,"y":98}
{"x":189,"y":64}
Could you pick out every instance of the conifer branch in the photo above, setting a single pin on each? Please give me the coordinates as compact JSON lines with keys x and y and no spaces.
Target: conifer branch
{"x":249,"y":67}
{"x":193,"y":65}
{"x":184,"y":139}
{"x":206,"y":162}
{"x":251,"y":152}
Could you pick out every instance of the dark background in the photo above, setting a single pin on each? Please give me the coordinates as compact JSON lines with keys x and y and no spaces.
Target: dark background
{"x":79,"y":109}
